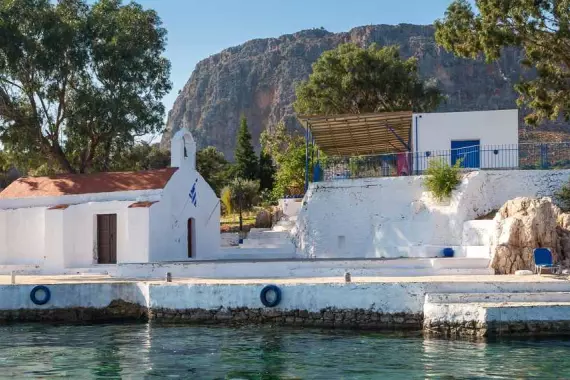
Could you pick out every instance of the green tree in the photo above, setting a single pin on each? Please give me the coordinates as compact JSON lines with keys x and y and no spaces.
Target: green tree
{"x":140,"y":156}
{"x":79,"y":80}
{"x":288,"y":151}
{"x":246,"y":164}
{"x":266,"y":171}
{"x":539,"y":27}
{"x":214,"y":167}
{"x":350,"y":79}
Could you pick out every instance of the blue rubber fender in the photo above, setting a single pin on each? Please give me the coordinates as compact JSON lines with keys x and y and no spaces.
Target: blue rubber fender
{"x":263,"y":296}
{"x":43,"y":300}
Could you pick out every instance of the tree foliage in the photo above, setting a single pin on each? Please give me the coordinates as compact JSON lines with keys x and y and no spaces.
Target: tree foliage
{"x":540,"y":27}
{"x":350,"y":79}
{"x":240,"y":191}
{"x":246,"y":164}
{"x":214,"y":167}
{"x":79,"y":81}
{"x":140,"y":156}
{"x":266,"y":171}
{"x":288,"y":152}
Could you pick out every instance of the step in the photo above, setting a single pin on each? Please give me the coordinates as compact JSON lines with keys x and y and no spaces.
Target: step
{"x":487,"y":298}
{"x":475,"y":251}
{"x":486,"y":312}
{"x":267,"y":244}
{"x":268,"y":235}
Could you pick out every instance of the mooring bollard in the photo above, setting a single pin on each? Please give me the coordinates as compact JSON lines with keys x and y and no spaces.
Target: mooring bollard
{"x":13,"y":278}
{"x":168,"y":277}
{"x":347,"y":277}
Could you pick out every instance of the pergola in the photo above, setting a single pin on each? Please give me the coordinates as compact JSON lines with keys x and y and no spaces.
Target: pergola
{"x":360,"y":134}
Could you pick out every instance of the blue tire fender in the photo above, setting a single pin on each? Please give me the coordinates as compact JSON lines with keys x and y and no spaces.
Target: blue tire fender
{"x":263,"y":296}
{"x":42,"y":301}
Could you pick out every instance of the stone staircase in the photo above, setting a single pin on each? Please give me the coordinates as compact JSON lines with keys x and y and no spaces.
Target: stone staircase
{"x":482,"y":314}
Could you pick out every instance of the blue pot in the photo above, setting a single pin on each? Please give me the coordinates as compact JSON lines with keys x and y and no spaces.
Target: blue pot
{"x":448,"y":252}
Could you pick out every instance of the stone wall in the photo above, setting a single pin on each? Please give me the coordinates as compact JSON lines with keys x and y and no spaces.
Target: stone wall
{"x":116,"y":311}
{"x":495,"y":328}
{"x":338,"y":318}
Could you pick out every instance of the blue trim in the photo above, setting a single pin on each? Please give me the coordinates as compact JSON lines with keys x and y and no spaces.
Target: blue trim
{"x":42,"y":301}
{"x":263,"y":296}
{"x":416,"y":146}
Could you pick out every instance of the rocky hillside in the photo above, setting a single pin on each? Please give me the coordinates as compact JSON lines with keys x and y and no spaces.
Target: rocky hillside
{"x":258,"y":79}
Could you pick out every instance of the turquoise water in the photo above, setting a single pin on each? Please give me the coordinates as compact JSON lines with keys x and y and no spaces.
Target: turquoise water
{"x":149,"y":352}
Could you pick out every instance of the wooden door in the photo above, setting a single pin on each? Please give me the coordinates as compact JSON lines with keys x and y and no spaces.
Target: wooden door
{"x":107,"y":239}
{"x":191,"y":234}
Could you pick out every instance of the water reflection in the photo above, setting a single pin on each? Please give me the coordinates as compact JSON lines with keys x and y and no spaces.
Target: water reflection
{"x":150,"y":352}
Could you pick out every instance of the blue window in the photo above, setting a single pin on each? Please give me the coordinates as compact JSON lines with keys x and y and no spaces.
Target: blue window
{"x":468,"y":151}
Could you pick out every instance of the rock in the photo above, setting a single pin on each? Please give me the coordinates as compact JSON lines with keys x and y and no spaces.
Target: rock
{"x":258,"y":79}
{"x":263,"y":219}
{"x":522,"y":225}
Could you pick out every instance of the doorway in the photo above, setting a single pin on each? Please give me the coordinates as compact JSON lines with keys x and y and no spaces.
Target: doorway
{"x":107,"y":239}
{"x":191,"y":238}
{"x":468,"y":151}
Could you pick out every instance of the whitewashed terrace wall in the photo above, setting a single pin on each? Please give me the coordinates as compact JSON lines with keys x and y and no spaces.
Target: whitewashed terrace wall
{"x":394,"y":217}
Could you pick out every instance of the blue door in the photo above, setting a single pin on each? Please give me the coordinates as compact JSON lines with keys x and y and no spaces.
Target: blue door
{"x":468,"y":151}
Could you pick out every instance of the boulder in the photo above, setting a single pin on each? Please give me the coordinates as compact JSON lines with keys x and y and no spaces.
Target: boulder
{"x":263,"y":219}
{"x":522,"y":225}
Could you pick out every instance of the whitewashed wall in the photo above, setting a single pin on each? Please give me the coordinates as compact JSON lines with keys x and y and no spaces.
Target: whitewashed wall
{"x":169,"y":217}
{"x":80,"y":225}
{"x":394,"y":217}
{"x":24,"y":232}
{"x":433,"y":132}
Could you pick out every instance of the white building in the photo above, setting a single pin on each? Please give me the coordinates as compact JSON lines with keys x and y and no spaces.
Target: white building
{"x":76,"y":221}
{"x":481,"y":139}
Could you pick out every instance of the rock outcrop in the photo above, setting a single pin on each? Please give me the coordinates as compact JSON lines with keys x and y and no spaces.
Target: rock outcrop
{"x":258,"y":79}
{"x":522,"y":225}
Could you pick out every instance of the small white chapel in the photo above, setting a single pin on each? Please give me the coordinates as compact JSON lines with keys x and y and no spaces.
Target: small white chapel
{"x":86,"y":220}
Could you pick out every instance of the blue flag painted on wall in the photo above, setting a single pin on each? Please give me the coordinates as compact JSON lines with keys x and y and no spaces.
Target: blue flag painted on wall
{"x":194,"y":193}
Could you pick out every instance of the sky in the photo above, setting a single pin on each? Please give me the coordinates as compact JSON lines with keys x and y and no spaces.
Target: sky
{"x":200,"y":28}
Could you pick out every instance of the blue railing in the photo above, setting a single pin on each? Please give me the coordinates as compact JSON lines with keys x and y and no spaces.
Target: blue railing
{"x":524,"y":156}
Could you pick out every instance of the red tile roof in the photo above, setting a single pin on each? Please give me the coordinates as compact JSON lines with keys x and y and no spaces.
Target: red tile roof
{"x":143,"y":204}
{"x":59,"y":207}
{"x":76,"y":184}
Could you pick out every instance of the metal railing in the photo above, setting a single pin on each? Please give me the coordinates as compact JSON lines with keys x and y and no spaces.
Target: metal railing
{"x":524,"y":156}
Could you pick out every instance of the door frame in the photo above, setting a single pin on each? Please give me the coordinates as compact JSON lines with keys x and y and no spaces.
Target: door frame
{"x":473,"y":155}
{"x":111,"y":255}
{"x":191,"y":237}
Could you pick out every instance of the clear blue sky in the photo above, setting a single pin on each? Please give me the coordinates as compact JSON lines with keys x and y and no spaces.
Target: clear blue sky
{"x":200,"y":28}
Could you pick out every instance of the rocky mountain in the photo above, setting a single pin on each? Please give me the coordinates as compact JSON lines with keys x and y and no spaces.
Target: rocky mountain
{"x":257,"y":79}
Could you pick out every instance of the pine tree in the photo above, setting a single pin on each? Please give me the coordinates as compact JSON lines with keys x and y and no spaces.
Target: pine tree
{"x":266,"y":171}
{"x":247,"y":165}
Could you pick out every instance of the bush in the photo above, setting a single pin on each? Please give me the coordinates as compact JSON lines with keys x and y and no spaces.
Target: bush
{"x":562,"y":197}
{"x":226,"y":199}
{"x":442,"y":178}
{"x":245,"y":189}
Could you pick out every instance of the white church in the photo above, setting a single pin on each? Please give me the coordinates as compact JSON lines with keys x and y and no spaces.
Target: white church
{"x":82,"y":220}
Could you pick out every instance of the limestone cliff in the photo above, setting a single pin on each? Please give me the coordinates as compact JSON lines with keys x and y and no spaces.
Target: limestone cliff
{"x":257,"y":79}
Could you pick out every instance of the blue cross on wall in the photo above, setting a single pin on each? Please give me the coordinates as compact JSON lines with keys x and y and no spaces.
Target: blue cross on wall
{"x":194,"y":193}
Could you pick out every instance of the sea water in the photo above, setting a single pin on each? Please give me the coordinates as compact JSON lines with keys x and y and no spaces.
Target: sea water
{"x":142,"y":351}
